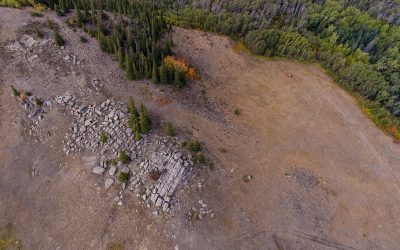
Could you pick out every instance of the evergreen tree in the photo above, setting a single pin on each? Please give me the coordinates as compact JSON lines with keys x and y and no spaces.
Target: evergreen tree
{"x":144,"y":119}
{"x":78,"y":16}
{"x":154,"y":75}
{"x":131,"y":106}
{"x":129,"y":67}
{"x":163,"y":75}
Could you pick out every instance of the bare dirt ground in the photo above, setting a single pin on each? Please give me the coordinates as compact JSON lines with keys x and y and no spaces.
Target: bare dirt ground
{"x":324,"y":177}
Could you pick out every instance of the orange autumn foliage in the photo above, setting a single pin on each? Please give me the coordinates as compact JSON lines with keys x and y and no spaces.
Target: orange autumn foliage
{"x":183,"y":65}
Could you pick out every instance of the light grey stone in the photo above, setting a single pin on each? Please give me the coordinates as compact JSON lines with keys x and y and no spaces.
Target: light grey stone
{"x":159,"y":202}
{"x":125,"y":170}
{"x":98,"y":170}
{"x":108,"y":183}
{"x":112,"y":171}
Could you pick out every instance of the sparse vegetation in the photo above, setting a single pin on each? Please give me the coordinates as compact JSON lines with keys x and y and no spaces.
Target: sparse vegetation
{"x":39,"y":7}
{"x":35,"y":14}
{"x":123,"y":157}
{"x":38,"y":32}
{"x":15,"y":92}
{"x":38,"y":102}
{"x":50,"y":24}
{"x":236,"y":111}
{"x":114,"y":246}
{"x":169,"y":129}
{"x":83,"y":39}
{"x":113,"y":162}
{"x":194,"y":146}
{"x":123,"y":177}
{"x":103,"y":137}
{"x":59,"y":40}
{"x":200,"y":158}
{"x":183,"y":144}
{"x":8,"y":238}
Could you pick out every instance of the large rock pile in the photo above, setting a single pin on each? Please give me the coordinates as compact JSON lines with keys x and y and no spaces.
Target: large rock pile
{"x":156,"y":166}
{"x":35,"y":108}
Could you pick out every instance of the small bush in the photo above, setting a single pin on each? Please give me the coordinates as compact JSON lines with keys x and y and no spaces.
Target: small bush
{"x":38,"y":102}
{"x":138,"y":136}
{"x":58,"y":39}
{"x":27,"y":93}
{"x":123,"y":157}
{"x":103,"y":137}
{"x":38,"y":32}
{"x":194,"y":146}
{"x":113,"y":162}
{"x":169,"y":130}
{"x":200,"y":158}
{"x":15,"y":92}
{"x":39,"y":7}
{"x":236,"y":111}
{"x":83,"y":39}
{"x":183,"y":144}
{"x":123,"y":177}
{"x":50,"y":24}
{"x":35,"y":14}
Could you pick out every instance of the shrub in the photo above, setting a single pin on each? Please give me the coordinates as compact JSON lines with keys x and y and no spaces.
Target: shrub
{"x":14,"y":91}
{"x":83,"y":39}
{"x":39,"y":7}
{"x":169,"y":130}
{"x":38,"y":102}
{"x":103,"y":137}
{"x":35,"y":14}
{"x":138,"y":136}
{"x":123,"y":157}
{"x":27,"y":93}
{"x":194,"y":146}
{"x":183,"y":144}
{"x":38,"y":32}
{"x":123,"y":177}
{"x":50,"y":24}
{"x":200,"y":158}
{"x":58,"y":39}
{"x":236,"y":111}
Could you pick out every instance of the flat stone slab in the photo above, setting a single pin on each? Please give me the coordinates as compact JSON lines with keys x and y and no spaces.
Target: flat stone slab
{"x":108,"y":183}
{"x":125,"y":170}
{"x":112,"y":171}
{"x":98,"y":170}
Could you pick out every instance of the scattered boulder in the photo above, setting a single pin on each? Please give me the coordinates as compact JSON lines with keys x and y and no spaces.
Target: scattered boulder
{"x":98,"y":170}
{"x":108,"y":183}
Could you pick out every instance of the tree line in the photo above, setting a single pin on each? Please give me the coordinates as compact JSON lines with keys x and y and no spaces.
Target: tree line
{"x":360,"y":51}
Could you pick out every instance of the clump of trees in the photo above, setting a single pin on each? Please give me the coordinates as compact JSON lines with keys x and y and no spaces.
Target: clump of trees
{"x":274,"y":42}
{"x":139,"y":120}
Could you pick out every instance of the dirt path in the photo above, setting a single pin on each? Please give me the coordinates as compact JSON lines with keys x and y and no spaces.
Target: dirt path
{"x":324,"y":176}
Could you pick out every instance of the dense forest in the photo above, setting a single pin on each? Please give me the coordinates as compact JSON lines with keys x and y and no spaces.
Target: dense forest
{"x":359,"y":50}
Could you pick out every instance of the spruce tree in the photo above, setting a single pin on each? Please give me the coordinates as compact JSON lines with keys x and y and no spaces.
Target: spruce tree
{"x":163,"y":75}
{"x":120,"y":56}
{"x":177,"y":79}
{"x":129,"y":67}
{"x":131,"y":106}
{"x":78,"y":16}
{"x":154,"y":75}
{"x":144,"y":119}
